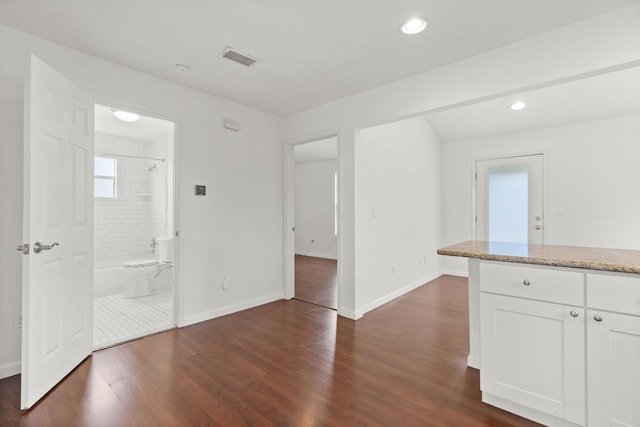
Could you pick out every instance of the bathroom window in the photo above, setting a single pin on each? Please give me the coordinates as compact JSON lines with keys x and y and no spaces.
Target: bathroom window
{"x":104,"y":177}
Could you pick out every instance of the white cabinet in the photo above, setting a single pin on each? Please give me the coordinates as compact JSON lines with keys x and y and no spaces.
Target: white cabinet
{"x":532,"y":354}
{"x":613,"y":350}
{"x":533,"y":282}
{"x":560,"y":346}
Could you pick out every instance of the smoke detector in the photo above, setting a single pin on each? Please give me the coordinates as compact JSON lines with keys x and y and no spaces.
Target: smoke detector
{"x":240,"y":58}
{"x":181,"y":68}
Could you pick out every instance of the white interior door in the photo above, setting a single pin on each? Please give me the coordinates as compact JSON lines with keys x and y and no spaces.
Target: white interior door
{"x":509,"y":199}
{"x":57,"y":278}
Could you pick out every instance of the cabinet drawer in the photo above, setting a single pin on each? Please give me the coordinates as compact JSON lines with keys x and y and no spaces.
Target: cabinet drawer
{"x":614,"y":293}
{"x":544,"y":284}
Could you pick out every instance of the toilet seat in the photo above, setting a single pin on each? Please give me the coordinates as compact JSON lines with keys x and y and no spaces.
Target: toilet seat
{"x":140,"y":263}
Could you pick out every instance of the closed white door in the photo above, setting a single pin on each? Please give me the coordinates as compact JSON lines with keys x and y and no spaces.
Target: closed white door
{"x":613,"y":351}
{"x":509,"y":199}
{"x":532,"y":353}
{"x":57,"y":276}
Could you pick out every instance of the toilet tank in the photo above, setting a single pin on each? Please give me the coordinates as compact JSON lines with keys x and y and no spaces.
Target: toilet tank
{"x":165,"y":249}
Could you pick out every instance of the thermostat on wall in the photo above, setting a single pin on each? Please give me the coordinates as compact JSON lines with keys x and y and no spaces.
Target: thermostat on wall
{"x":201,"y":190}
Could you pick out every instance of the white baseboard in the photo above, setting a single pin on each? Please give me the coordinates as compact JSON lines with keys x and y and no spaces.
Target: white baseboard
{"x":473,"y":361}
{"x":10,"y":369}
{"x":353,"y":315}
{"x":393,"y":295}
{"x":317,"y":255}
{"x":526,"y":412}
{"x":458,"y":273}
{"x":223,"y":311}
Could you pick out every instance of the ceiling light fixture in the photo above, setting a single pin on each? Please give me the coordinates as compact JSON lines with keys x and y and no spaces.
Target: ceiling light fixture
{"x":126,"y":116}
{"x":518,"y":105}
{"x":414,"y":26}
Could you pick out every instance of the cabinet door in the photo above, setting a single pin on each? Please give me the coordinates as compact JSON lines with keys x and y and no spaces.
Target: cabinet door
{"x":613,"y":369}
{"x":532,"y":353}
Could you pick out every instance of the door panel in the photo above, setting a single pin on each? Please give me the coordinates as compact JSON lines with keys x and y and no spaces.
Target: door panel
{"x":509,"y":199}
{"x":57,"y":281}
{"x":614,"y":372}
{"x":532,"y":353}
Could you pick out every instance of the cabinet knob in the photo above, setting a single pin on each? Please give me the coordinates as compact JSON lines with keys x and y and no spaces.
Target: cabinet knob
{"x":597,"y":318}
{"x":573,"y":313}
{"x":526,"y":282}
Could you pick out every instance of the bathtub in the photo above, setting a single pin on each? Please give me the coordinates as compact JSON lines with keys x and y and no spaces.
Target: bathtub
{"x":107,"y":277}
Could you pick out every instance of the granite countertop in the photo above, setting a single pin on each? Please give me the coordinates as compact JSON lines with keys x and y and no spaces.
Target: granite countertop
{"x":617,"y":260}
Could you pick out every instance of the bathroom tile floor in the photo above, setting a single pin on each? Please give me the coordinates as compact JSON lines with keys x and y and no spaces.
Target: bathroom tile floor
{"x":117,"y":319}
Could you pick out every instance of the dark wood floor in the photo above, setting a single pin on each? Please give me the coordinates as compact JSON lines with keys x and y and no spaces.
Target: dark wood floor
{"x":287,"y":363}
{"x":316,"y":281}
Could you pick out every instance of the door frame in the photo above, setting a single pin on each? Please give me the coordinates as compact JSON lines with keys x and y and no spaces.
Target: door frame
{"x":178,"y":134}
{"x":289,"y":285}
{"x":545,"y":186}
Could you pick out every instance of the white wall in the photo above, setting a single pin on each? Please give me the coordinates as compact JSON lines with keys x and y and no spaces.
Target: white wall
{"x":397,"y":177}
{"x":589,"y":46}
{"x":591,"y":171}
{"x":10,"y":232}
{"x":236,"y":230}
{"x":315,"y":209}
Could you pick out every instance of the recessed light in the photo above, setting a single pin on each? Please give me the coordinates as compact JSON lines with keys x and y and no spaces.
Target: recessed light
{"x":126,"y":116}
{"x":518,"y":105}
{"x":414,"y":26}
{"x":181,"y":68}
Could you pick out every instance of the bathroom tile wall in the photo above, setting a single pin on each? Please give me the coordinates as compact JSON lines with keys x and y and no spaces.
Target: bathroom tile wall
{"x":124,"y":226}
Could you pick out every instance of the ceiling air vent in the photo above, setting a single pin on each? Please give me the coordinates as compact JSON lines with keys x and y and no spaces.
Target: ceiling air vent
{"x":234,"y":56}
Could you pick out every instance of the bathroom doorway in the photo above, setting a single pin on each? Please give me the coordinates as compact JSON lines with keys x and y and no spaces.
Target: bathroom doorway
{"x":316,"y":222}
{"x":134,"y":198}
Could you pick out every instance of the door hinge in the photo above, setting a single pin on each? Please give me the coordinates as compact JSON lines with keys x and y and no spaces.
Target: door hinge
{"x":293,"y":229}
{"x":476,"y":218}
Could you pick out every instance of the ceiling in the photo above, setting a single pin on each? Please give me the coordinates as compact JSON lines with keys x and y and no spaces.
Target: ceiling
{"x":145,"y":129}
{"x":312,"y":52}
{"x":604,"y":96}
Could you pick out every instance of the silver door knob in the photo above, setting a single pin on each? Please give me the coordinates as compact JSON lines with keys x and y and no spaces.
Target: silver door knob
{"x":573,"y":313}
{"x":526,"y":282}
{"x":597,"y":318}
{"x":38,"y":247}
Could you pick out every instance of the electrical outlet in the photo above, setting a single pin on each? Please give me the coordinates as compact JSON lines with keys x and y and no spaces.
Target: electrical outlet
{"x":17,"y":320}
{"x":224,"y":282}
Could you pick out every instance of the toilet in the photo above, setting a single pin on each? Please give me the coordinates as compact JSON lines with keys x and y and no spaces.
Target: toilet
{"x":149,"y":276}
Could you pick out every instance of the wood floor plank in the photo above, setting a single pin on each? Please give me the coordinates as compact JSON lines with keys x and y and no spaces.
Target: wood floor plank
{"x":288,"y":363}
{"x":315,"y":280}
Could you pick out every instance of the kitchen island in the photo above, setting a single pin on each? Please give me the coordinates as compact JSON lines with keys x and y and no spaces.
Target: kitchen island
{"x":555,"y":330}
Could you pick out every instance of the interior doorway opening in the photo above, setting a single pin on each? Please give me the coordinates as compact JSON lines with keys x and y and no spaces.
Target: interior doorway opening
{"x":316,"y":222}
{"x":134,"y":227}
